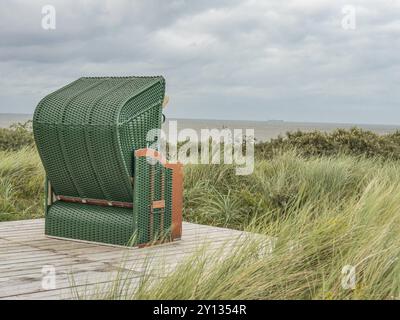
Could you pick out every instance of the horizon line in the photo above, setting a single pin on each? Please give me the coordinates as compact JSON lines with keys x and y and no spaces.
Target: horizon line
{"x":249,"y":120}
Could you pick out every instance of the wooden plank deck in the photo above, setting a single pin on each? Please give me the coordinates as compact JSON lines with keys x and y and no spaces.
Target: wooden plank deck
{"x":25,"y":251}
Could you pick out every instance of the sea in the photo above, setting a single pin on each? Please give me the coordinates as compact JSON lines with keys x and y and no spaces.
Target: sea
{"x":263,"y":130}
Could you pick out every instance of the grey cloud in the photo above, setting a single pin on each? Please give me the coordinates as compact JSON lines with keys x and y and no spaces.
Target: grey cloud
{"x":242,"y":59}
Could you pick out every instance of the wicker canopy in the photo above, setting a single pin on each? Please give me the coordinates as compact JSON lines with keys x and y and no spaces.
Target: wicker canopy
{"x":86,"y":133}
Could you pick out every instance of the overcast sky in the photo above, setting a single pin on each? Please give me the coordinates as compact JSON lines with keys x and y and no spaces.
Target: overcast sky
{"x":236,"y":59}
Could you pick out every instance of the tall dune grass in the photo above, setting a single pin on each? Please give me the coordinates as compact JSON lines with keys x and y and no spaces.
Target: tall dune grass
{"x":326,"y":213}
{"x":21,"y":184}
{"x":279,"y":187}
{"x":314,"y":243}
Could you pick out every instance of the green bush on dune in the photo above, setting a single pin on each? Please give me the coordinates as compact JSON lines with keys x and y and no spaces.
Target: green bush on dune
{"x":16,"y":137}
{"x":352,"y":142}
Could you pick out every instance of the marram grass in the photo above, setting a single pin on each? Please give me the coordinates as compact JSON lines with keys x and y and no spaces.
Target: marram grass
{"x":325,"y":213}
{"x":313,"y":244}
{"x":21,"y":184}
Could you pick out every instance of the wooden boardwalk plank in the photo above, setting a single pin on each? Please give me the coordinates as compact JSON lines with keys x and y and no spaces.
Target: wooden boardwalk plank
{"x":24,"y":251}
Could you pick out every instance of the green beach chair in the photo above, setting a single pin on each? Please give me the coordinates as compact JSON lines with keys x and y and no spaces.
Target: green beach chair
{"x":101,"y":186}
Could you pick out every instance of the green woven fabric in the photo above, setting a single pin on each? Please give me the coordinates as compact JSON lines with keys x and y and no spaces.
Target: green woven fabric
{"x":91,"y":223}
{"x":86,"y":134}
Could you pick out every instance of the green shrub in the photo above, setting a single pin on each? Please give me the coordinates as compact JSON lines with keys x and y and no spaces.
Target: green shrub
{"x":17,"y":136}
{"x":352,"y":142}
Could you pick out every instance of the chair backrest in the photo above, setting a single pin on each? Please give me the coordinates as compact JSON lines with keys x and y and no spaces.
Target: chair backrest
{"x":86,"y":133}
